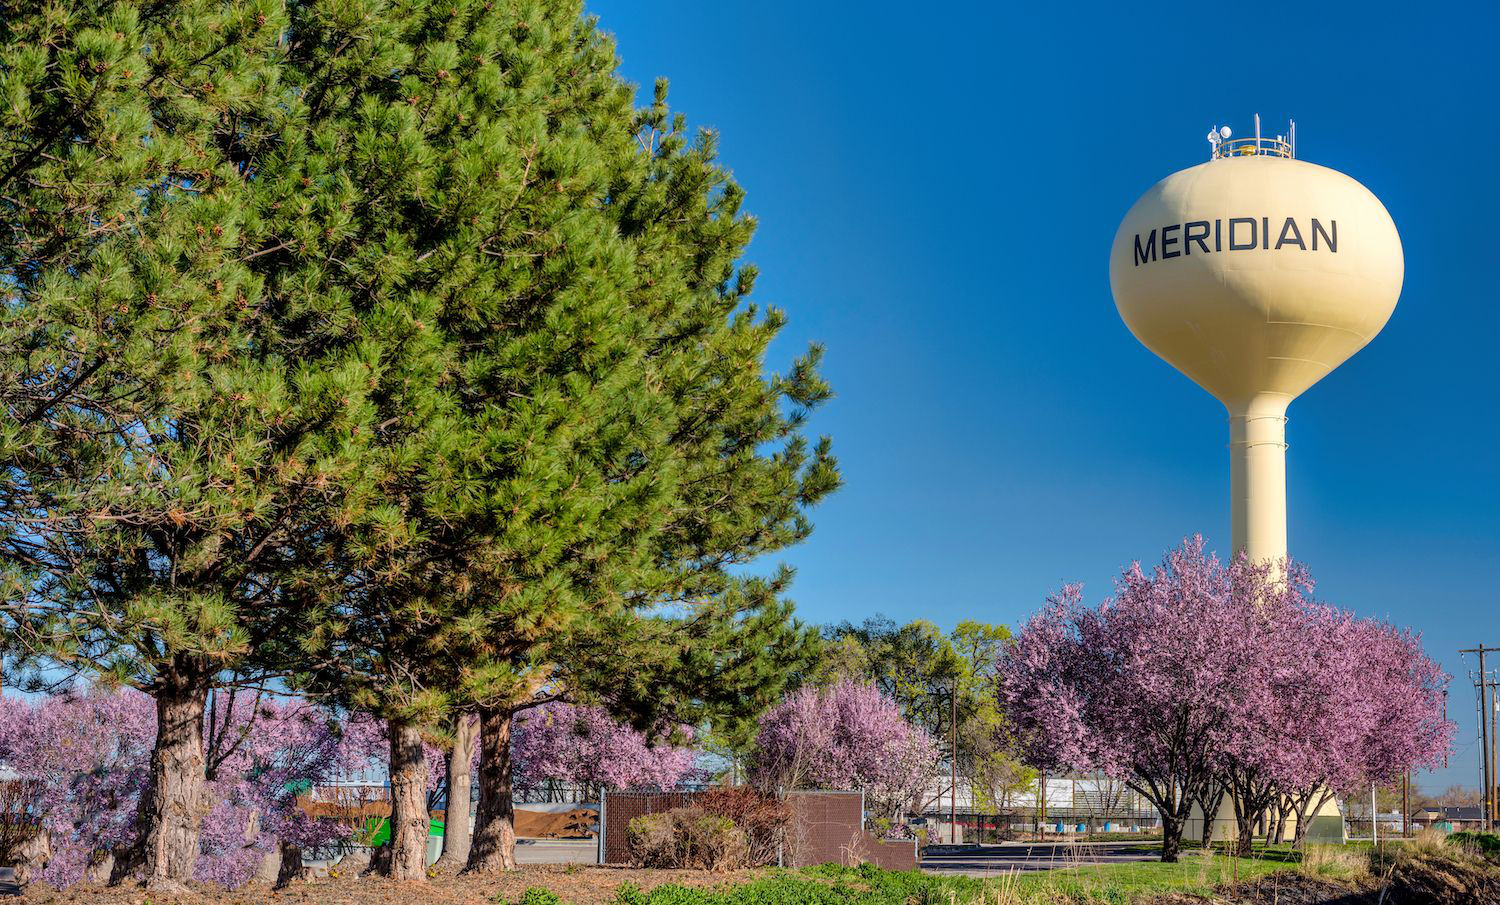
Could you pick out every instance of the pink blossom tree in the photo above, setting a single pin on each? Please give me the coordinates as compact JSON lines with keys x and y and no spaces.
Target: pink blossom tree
{"x":89,"y":753}
{"x":1198,"y":676}
{"x":90,"y":749}
{"x":584,"y":745}
{"x":1371,"y":706}
{"x":1139,"y":688}
{"x":846,"y":736}
{"x":1286,"y":682}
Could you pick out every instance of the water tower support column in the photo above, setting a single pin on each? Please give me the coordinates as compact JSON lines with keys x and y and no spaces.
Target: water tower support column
{"x":1257,"y":454}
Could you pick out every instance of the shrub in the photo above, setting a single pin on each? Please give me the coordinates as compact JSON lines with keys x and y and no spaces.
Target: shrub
{"x":651,"y":841}
{"x":537,"y":895}
{"x":763,"y":818}
{"x":686,"y":838}
{"x":711,"y":842}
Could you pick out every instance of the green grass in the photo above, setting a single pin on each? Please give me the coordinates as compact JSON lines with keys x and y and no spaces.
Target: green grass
{"x":1487,"y":844}
{"x":1194,"y":873}
{"x":1103,"y":884}
{"x":1198,"y":872}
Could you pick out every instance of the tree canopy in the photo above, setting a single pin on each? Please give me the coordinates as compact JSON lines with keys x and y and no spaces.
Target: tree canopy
{"x":1198,"y":675}
{"x":391,"y":350}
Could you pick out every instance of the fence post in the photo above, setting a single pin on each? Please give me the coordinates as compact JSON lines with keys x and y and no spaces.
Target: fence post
{"x":603,"y":796}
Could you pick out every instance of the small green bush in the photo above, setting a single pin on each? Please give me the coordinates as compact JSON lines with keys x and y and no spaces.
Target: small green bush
{"x":537,"y":895}
{"x":711,"y":842}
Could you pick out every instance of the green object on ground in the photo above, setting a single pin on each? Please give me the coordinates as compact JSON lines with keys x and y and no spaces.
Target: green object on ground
{"x":383,"y":834}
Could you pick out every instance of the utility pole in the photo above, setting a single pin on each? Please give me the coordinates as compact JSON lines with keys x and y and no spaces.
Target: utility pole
{"x":1405,"y":800}
{"x":1486,"y":733}
{"x":953,"y":802}
{"x":1494,"y":806}
{"x":1041,"y":800}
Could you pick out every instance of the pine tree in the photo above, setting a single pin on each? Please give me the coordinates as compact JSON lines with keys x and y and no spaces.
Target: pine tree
{"x":183,"y":416}
{"x":595,"y":438}
{"x":682,"y":636}
{"x":150,"y":465}
{"x":392,"y":347}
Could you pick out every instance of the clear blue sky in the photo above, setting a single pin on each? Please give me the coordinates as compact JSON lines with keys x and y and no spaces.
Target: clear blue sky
{"x":938,"y":185}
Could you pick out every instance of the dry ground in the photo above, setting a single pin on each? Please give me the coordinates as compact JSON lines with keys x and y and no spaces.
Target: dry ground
{"x":574,"y":884}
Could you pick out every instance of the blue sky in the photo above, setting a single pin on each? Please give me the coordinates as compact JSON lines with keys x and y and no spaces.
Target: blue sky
{"x":938,"y":185}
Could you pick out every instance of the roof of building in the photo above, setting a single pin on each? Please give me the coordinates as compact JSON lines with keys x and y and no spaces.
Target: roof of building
{"x":1459,"y":812}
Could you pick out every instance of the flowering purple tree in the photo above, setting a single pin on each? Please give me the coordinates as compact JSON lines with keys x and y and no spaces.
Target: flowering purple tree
{"x":90,"y":751}
{"x":1200,"y":675}
{"x":846,"y":736}
{"x":1139,"y":688}
{"x":1270,"y":742}
{"x":262,"y":752}
{"x":585,"y":745}
{"x":1372,"y":708}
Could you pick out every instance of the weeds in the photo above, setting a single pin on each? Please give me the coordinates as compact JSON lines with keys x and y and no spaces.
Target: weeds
{"x":1334,"y":862}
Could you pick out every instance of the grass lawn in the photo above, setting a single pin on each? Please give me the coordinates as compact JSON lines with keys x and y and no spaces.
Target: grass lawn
{"x":1195,"y":873}
{"x":1115,"y":884}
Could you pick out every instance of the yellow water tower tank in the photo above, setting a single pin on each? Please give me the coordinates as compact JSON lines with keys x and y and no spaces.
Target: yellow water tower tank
{"x":1255,"y":274}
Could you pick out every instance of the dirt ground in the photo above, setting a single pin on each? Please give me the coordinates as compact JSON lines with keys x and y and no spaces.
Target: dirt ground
{"x":1285,"y":888}
{"x":574,"y":884}
{"x":1413,"y":881}
{"x":569,"y":824}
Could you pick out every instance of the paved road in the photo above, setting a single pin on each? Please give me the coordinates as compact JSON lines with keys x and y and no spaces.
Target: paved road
{"x":992,"y":860}
{"x":557,"y":851}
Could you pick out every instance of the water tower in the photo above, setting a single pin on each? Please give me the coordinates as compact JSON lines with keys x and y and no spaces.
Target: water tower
{"x":1255,"y":274}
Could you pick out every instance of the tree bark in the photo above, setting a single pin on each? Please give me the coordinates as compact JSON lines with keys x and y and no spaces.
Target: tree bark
{"x":457,"y":829}
{"x":1171,"y":837}
{"x":176,"y":796}
{"x":289,"y":865}
{"x":409,"y":817}
{"x":494,"y":846}
{"x":1209,"y":804}
{"x":1244,"y":820}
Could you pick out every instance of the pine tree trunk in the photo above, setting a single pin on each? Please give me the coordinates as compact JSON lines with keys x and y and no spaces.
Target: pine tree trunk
{"x":409,"y":818}
{"x":457,"y":830}
{"x":494,"y":847}
{"x":176,"y":796}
